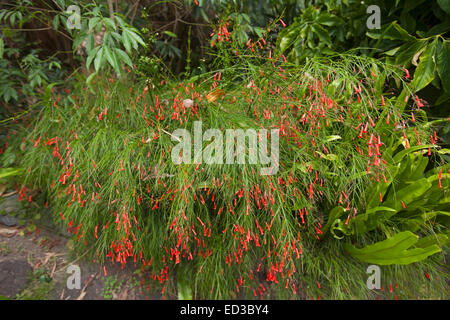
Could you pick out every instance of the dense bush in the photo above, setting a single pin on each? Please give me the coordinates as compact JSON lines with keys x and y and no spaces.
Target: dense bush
{"x":104,"y":157}
{"x":361,"y":176}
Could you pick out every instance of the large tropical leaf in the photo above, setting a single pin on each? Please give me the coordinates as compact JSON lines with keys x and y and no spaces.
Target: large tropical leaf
{"x":399,"y":198}
{"x":443,"y":65}
{"x":394,"y":250}
{"x":371,"y":219}
{"x":424,"y":73}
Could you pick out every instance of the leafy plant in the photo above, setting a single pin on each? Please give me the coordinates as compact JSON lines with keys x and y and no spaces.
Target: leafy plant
{"x":431,"y":56}
{"x":405,"y":37}
{"x":346,"y":122}
{"x":112,"y":287}
{"x":137,"y":175}
{"x":313,"y":32}
{"x":394,"y":250}
{"x":39,"y":287}
{"x":115,"y":34}
{"x":409,"y":198}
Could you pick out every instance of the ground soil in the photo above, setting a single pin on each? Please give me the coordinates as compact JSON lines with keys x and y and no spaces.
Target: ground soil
{"x":34,"y":266}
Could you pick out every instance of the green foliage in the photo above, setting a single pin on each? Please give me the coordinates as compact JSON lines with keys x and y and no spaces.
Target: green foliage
{"x":23,"y":76}
{"x":394,"y":250}
{"x":123,"y":163}
{"x":409,"y":199}
{"x":430,"y":55}
{"x":39,"y":287}
{"x":9,"y":172}
{"x":404,"y":38}
{"x":317,"y":32}
{"x":112,"y":287}
{"x":406,"y":193}
{"x":23,"y":72}
{"x":103,"y":156}
{"x":115,"y":34}
{"x":184,"y":287}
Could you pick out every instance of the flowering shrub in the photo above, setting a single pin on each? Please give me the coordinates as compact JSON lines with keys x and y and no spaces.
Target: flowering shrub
{"x":103,"y":154}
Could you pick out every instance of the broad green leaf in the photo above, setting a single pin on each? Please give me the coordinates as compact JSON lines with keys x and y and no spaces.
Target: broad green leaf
{"x":330,"y":157}
{"x":116,"y":36}
{"x":56,"y":22}
{"x":99,"y":59}
{"x":90,"y":42}
{"x":371,"y":219}
{"x":414,"y":222}
{"x":9,"y":172}
{"x":391,"y":32}
{"x":433,"y":179}
{"x":136,"y":38}
{"x":111,"y":57}
{"x":444,"y":151}
{"x":407,"y":52}
{"x":77,"y":41}
{"x":407,"y":194}
{"x":121,"y":22}
{"x":400,"y":155}
{"x":438,"y":29}
{"x":126,"y":41}
{"x":392,"y":52}
{"x":284,"y":43}
{"x":434,"y":171}
{"x":93,"y":23}
{"x":322,"y":34}
{"x":339,"y":229}
{"x":92,"y":54}
{"x":413,"y":168}
{"x":424,"y":73}
{"x":123,"y":56}
{"x":110,"y":24}
{"x":443,"y":65}
{"x":403,"y":33}
{"x":394,"y":250}
{"x":329,"y":19}
{"x":445,"y":5}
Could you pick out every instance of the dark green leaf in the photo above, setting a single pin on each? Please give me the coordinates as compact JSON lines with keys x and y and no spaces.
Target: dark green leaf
{"x":445,"y":5}
{"x":424,"y":73}
{"x":124,"y":56}
{"x":322,"y":34}
{"x":443,"y":65}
